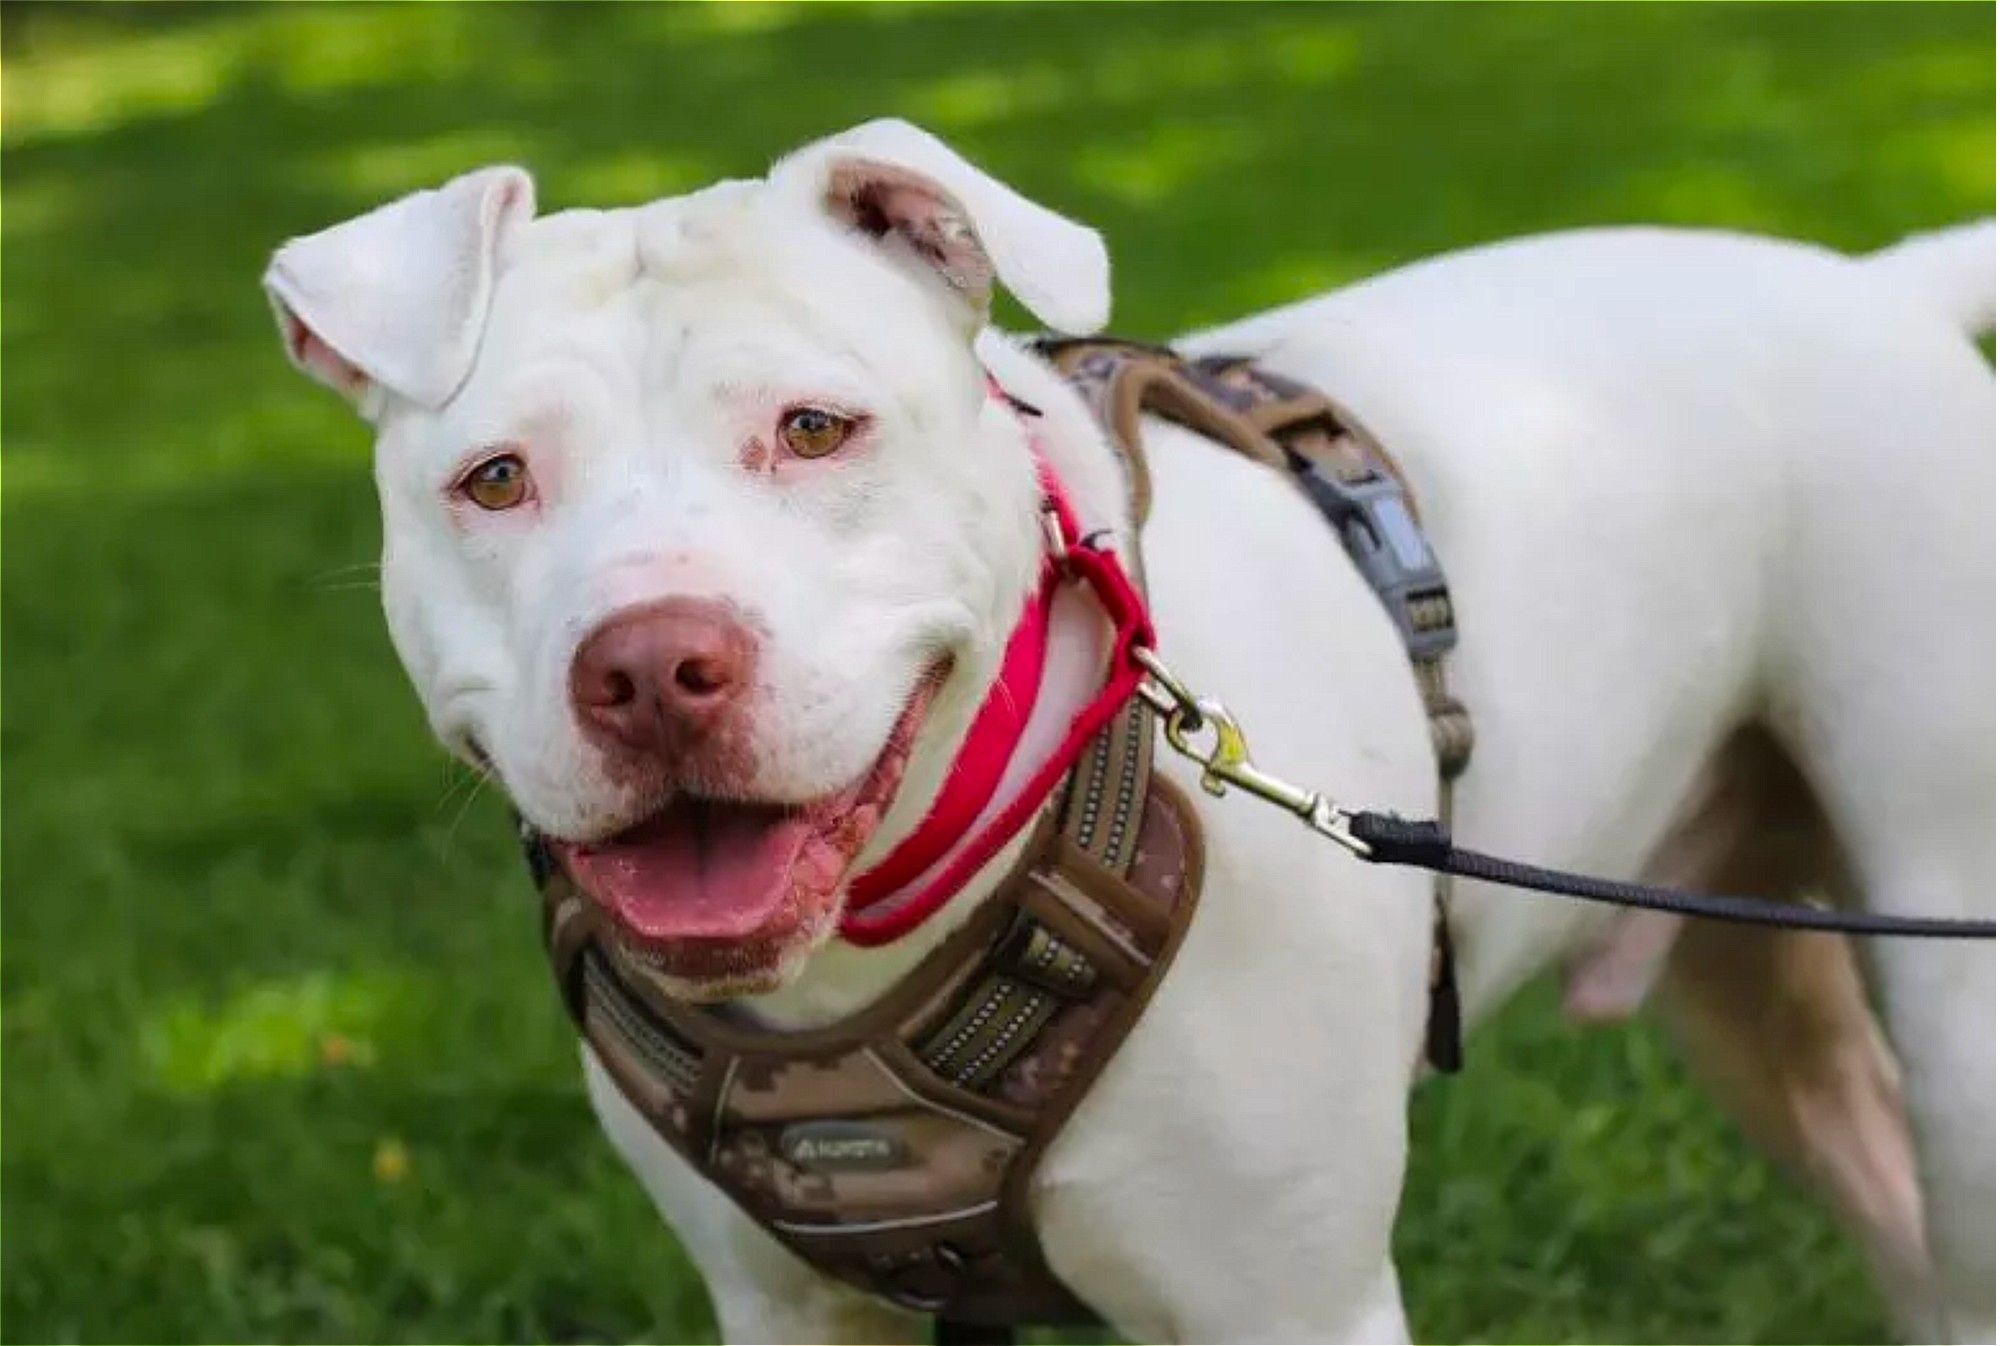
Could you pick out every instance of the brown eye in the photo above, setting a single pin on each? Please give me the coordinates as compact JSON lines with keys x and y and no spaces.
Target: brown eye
{"x":501,"y":482}
{"x":811,"y":432}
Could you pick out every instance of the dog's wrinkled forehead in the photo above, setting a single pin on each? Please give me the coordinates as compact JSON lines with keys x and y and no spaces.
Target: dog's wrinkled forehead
{"x":678,"y":238}
{"x":725,"y":286}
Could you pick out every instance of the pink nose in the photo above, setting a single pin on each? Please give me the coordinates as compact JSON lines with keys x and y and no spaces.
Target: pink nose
{"x":656,"y":678}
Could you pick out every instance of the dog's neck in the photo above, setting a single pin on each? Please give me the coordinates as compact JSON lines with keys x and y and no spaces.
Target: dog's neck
{"x":840,"y":979}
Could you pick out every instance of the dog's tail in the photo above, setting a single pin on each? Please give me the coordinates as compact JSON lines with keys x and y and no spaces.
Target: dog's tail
{"x":1951,"y":270}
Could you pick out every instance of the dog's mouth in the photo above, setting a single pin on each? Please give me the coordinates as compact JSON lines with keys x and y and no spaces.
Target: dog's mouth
{"x":707,"y":875}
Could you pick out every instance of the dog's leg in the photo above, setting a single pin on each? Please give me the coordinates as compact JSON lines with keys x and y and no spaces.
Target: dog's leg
{"x":761,"y":1292}
{"x":1938,"y":1002}
{"x":1777,"y":1027}
{"x":1938,"y":999}
{"x":1882,"y":688}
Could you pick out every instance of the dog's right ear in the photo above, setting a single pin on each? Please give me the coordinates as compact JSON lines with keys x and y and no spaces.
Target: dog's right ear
{"x":395,"y":301}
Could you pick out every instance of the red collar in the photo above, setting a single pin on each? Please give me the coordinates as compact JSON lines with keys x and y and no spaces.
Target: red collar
{"x":996,"y":733}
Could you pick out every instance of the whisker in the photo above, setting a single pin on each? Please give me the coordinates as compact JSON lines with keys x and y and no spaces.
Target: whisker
{"x":478,"y":783}
{"x":477,"y":778}
{"x":331,"y":580}
{"x":467,"y":776}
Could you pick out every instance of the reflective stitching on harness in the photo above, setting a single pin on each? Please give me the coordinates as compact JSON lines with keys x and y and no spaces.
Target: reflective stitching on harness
{"x":679,"y":1066}
{"x":721,"y":1105}
{"x":933,"y":1104}
{"x":1034,"y":1007}
{"x":939,"y":1058}
{"x":1128,"y":781}
{"x":876,"y":1226}
{"x":1091,"y":788}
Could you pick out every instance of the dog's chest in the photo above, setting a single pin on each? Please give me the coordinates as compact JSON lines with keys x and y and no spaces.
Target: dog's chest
{"x":893,"y":1151}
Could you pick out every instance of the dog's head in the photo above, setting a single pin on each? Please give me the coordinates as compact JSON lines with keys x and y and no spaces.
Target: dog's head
{"x":701,"y":529}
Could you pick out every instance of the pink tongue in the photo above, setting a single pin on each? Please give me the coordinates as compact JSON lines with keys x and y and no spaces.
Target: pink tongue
{"x":701,"y":870}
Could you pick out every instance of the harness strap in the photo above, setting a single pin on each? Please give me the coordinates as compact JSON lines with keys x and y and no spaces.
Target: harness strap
{"x":1296,"y":429}
{"x":1033,"y":970}
{"x":1314,"y":429}
{"x":1321,"y":439}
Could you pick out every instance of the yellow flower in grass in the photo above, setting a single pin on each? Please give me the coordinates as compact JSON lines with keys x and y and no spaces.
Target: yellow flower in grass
{"x":392,"y":1160}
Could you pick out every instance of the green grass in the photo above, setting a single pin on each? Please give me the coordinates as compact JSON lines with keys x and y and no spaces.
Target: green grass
{"x":256,"y":950}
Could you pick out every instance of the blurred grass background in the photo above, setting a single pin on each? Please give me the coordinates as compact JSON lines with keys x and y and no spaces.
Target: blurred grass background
{"x":280,"y":1062}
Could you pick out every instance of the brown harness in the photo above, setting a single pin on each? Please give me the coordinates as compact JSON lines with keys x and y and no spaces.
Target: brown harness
{"x":894,"y":1150}
{"x":1297,"y":430}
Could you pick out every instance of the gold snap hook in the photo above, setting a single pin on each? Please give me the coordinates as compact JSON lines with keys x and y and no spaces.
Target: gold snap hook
{"x":1205,"y":732}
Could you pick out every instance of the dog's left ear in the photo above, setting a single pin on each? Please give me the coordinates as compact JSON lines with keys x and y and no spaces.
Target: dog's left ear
{"x":917,"y":196}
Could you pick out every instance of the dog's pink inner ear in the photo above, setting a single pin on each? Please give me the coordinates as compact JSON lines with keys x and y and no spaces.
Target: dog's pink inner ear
{"x":325,"y":363}
{"x":885,"y":202}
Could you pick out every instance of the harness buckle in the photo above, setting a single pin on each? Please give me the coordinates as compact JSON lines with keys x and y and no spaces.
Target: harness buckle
{"x":1372,"y":518}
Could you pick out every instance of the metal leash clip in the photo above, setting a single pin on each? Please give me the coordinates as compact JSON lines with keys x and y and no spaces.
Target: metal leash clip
{"x":1203,"y":731}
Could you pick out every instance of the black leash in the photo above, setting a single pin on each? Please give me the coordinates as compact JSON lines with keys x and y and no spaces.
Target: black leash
{"x":1204,"y":731}
{"x":1425,"y":844}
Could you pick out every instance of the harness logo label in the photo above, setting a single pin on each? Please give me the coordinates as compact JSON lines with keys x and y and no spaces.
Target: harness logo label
{"x":842,"y":1147}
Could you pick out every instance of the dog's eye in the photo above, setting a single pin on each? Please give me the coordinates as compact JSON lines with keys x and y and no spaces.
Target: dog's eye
{"x":501,"y":482}
{"x":813,"y":432}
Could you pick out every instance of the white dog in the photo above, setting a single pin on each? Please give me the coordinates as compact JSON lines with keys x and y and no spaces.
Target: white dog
{"x":1718,"y":512}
